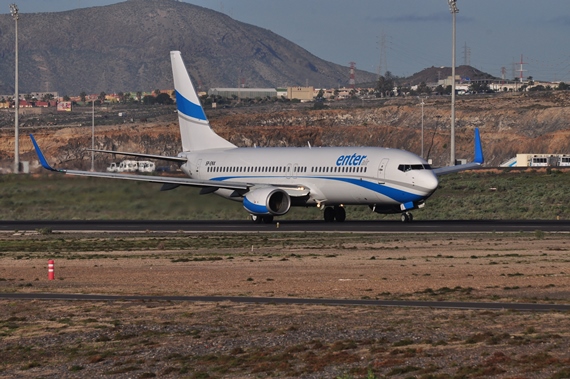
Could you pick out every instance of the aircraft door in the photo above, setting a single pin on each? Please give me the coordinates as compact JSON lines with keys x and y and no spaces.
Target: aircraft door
{"x":288,"y":173}
{"x":382,"y":170}
{"x":295,"y":169}
{"x":198,"y":166}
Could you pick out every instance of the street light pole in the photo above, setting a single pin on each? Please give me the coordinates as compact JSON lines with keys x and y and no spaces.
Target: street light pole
{"x":93,"y":135}
{"x":454,"y":11}
{"x":16,"y":16}
{"x":422,"y":104}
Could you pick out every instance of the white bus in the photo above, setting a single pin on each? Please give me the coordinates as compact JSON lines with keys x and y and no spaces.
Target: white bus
{"x":132,"y":166}
{"x":564,"y":161}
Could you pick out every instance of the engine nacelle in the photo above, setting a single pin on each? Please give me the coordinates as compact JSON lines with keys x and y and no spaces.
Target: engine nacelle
{"x":267,"y":201}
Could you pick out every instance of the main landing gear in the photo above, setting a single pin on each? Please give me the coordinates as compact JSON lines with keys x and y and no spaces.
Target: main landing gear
{"x":266,"y":219}
{"x":335,"y":214}
{"x":407,"y":217}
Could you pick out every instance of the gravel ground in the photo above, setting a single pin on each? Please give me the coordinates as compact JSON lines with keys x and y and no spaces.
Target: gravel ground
{"x":205,"y":340}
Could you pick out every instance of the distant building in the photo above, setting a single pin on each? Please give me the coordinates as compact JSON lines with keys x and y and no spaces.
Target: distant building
{"x":243,"y":93}
{"x":300,"y":93}
{"x":46,"y":104}
{"x":65,"y":106}
{"x":41,"y":95}
{"x":23,"y":104}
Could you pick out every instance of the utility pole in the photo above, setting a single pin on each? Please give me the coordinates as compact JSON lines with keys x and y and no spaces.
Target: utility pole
{"x":422,"y":104}
{"x":16,"y":16}
{"x":454,"y":11}
{"x":93,"y":135}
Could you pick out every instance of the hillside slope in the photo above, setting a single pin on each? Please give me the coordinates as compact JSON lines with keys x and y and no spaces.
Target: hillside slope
{"x":509,"y":124}
{"x":125,"y":47}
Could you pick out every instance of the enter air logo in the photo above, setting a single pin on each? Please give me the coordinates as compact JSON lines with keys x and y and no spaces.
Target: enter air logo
{"x":352,"y":160}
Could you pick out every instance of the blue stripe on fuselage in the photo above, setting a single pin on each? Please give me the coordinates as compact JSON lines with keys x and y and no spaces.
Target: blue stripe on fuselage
{"x":393,"y":193}
{"x":188,"y":108}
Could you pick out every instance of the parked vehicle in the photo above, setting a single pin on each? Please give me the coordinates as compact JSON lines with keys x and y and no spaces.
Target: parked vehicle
{"x":132,"y":166}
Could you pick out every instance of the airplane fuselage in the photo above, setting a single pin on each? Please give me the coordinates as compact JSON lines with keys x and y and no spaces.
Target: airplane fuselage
{"x":331,"y":175}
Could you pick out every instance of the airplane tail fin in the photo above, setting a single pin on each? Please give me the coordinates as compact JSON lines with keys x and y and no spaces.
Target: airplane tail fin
{"x":195,"y":129}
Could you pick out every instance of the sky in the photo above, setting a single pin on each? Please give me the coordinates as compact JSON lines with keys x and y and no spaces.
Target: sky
{"x":402,"y":36}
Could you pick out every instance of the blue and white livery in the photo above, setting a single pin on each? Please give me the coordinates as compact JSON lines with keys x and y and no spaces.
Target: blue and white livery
{"x":269,"y":181}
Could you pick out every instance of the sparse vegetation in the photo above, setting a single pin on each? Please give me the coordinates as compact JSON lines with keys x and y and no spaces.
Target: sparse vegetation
{"x":463,"y":196}
{"x":237,"y":341}
{"x":146,"y":339}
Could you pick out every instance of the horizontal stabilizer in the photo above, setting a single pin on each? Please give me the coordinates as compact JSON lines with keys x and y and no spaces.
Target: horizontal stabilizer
{"x":141,"y":155}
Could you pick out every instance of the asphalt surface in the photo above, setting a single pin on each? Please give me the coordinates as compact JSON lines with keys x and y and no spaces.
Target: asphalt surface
{"x":274,"y":300}
{"x":290,"y":226}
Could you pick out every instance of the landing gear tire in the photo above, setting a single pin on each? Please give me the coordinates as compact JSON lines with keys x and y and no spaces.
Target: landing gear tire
{"x":407,"y":217}
{"x":266,"y":219}
{"x":334,"y":214}
{"x":339,"y":214}
{"x":329,"y":214}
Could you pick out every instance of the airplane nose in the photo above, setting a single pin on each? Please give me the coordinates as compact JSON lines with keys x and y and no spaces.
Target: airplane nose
{"x":430,"y":181}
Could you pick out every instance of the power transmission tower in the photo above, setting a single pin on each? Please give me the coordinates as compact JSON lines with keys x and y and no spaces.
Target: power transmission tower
{"x":521,"y":70}
{"x":382,"y":65}
{"x":466,"y":55}
{"x":352,"y":80}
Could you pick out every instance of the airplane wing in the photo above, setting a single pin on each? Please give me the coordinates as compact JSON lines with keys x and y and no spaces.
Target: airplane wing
{"x":168,"y":182}
{"x":478,"y":161}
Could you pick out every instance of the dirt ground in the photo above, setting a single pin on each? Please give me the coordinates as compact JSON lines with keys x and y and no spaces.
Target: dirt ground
{"x":202,"y":340}
{"x":517,"y":267}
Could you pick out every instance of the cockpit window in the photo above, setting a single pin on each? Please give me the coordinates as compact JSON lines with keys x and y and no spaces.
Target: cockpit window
{"x":409,"y":167}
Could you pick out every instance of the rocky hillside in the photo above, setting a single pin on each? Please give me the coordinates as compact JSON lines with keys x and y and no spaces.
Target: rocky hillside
{"x":434,"y":74}
{"x":125,"y":47}
{"x":509,"y":124}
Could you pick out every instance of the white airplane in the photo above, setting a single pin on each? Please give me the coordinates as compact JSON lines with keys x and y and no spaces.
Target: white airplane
{"x":269,"y":181}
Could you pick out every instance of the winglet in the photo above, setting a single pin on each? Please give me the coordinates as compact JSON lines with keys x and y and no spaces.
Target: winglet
{"x":41,"y":157}
{"x":477,"y":161}
{"x":478,"y":149}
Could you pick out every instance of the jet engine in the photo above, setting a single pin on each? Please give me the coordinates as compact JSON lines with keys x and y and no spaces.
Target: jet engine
{"x":267,"y":201}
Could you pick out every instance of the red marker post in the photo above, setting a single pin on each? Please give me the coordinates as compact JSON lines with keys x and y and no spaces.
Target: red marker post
{"x":51,"y":274}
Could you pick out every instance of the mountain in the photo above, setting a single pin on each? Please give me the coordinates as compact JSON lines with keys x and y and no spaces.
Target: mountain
{"x":125,"y":47}
{"x":434,"y":74}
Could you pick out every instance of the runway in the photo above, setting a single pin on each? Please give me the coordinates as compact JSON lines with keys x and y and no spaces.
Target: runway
{"x":303,"y":301}
{"x":449,"y":226}
{"x":485,"y":226}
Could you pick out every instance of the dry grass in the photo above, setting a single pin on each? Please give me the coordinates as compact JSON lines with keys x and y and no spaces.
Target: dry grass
{"x":200,"y":340}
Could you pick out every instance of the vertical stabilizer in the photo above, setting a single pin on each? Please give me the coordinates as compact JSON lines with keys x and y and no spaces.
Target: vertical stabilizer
{"x":195,"y":129}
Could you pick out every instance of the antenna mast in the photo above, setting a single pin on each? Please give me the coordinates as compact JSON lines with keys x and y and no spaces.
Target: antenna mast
{"x":520,"y":70}
{"x":352,"y":80}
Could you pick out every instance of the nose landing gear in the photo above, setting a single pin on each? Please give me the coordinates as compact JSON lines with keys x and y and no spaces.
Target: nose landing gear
{"x":407,"y":217}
